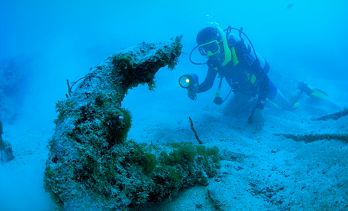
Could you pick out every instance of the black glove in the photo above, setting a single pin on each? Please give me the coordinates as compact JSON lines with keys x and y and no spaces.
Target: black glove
{"x":192,"y":94}
{"x":193,"y":88}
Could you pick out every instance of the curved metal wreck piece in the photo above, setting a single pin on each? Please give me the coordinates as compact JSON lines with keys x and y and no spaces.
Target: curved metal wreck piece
{"x":92,"y":166}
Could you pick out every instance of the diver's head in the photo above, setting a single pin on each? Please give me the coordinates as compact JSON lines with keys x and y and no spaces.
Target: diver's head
{"x":210,"y":41}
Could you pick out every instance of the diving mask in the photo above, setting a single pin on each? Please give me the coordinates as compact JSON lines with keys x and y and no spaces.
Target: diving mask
{"x":209,"y":49}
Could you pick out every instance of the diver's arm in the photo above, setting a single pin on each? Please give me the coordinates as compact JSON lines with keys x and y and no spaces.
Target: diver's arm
{"x":208,"y":81}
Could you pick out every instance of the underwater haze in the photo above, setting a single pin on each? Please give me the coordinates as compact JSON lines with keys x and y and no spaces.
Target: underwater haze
{"x":45,"y":43}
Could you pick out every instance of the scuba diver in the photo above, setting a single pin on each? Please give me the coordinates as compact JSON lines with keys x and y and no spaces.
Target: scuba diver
{"x":231,"y":58}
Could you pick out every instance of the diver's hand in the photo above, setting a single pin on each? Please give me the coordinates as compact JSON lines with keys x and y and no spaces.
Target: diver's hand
{"x":191,"y":84}
{"x":192,"y":94}
{"x":192,"y":91}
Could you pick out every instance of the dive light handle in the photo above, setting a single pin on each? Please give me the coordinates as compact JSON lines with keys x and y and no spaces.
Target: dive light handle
{"x":190,"y":82}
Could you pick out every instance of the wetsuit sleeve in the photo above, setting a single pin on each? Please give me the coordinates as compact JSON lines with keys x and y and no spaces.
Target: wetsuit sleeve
{"x":208,"y":81}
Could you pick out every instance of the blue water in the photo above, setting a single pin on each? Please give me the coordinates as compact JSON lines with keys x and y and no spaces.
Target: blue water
{"x":51,"y":41}
{"x":65,"y":38}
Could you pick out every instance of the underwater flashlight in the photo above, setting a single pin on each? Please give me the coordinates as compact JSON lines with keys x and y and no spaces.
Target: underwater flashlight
{"x":185,"y":81}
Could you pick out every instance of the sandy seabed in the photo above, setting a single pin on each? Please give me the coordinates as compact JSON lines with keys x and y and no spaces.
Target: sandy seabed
{"x":259,"y":170}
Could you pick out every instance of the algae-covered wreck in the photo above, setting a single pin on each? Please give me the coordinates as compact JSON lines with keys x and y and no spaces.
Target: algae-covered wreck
{"x":91,"y":163}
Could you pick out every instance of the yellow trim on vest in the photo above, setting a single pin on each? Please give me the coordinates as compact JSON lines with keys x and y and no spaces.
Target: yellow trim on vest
{"x":253,"y":79}
{"x":227,"y":50}
{"x":235,"y":59}
{"x":230,"y":54}
{"x":295,"y":105}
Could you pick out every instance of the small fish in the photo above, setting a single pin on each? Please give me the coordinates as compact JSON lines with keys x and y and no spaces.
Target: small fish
{"x":208,"y":16}
{"x":290,"y":5}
